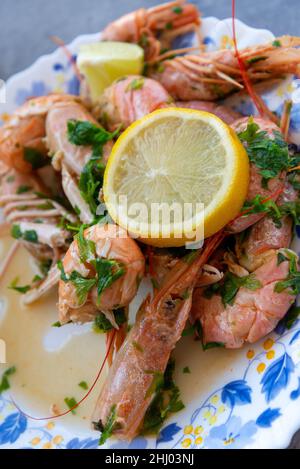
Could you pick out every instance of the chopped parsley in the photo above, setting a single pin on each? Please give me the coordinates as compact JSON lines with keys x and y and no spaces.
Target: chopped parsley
{"x":137,"y":346}
{"x":19,"y":289}
{"x":270,"y":208}
{"x":83,"y":385}
{"x":87,"y":248}
{"x":166,"y":399}
{"x":254,"y":60}
{"x":57,"y":324}
{"x":71,"y":404}
{"x":269,"y":155}
{"x":35,"y":158}
{"x":108,"y":271}
{"x":88,"y":134}
{"x":102,"y":324}
{"x":4,"y":383}
{"x":276,"y":43}
{"x":136,"y":84}
{"x":186,"y":370}
{"x":177,"y":10}
{"x":23,"y":188}
{"x":230,"y":285}
{"x":29,"y":235}
{"x":292,"y":281}
{"x":108,"y":428}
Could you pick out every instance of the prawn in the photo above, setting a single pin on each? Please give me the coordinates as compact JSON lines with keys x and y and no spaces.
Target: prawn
{"x":129,"y":99}
{"x":68,"y":158}
{"x":274,"y":187}
{"x":111,"y":271}
{"x":34,"y":219}
{"x":148,"y":346}
{"x":156,"y":28}
{"x":25,"y":130}
{"x":254,"y":312}
{"x":213,"y":75}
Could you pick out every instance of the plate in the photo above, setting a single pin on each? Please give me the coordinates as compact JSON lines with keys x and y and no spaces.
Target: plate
{"x":247,"y":398}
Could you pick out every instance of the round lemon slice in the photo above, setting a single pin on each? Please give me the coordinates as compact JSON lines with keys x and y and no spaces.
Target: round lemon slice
{"x":104,"y":62}
{"x":176,"y":176}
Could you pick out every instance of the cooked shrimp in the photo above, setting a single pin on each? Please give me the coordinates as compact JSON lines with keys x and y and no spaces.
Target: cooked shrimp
{"x":266,"y":235}
{"x":111,"y":243}
{"x":275,"y":185}
{"x":147,"y":348}
{"x":26,"y":130}
{"x":155,"y":28}
{"x":254,"y":312}
{"x":34,"y":219}
{"x":213,"y":75}
{"x":68,"y":158}
{"x":129,"y":99}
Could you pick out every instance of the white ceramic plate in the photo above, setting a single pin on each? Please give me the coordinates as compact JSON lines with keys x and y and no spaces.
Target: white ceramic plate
{"x":234,"y":399}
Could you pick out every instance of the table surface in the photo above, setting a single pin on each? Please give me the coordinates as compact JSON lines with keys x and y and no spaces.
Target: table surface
{"x":27,"y":25}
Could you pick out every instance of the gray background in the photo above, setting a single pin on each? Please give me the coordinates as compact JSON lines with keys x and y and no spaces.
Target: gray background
{"x":25,"y":27}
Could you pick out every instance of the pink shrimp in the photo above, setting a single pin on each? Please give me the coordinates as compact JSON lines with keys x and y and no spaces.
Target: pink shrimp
{"x":155,"y":28}
{"x":111,"y":243}
{"x":68,"y":158}
{"x":253,"y":313}
{"x":147,"y":348}
{"x":129,"y":99}
{"x":275,"y":185}
{"x":123,"y":268}
{"x":213,"y":75}
{"x":26,"y":130}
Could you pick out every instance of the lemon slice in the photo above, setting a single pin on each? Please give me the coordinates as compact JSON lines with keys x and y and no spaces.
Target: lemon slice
{"x":182,"y":157}
{"x":103,"y":62}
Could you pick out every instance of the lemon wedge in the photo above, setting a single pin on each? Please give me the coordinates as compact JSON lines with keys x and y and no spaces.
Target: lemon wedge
{"x":103,"y":62}
{"x":176,"y":158}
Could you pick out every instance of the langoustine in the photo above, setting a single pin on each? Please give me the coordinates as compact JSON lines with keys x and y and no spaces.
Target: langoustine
{"x":213,"y":75}
{"x":34,"y":217}
{"x":129,"y":99}
{"x":147,"y":348}
{"x":265,"y":260}
{"x":111,"y":265}
{"x":155,"y":28}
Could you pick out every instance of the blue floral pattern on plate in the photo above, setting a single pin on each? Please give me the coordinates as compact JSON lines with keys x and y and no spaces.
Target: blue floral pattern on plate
{"x":258,"y":408}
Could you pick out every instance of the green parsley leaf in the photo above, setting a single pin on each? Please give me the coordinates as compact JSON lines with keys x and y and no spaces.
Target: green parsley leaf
{"x":186,"y":370}
{"x":4,"y":383}
{"x":276,"y":43}
{"x":136,"y":84}
{"x":165,"y":401}
{"x":71,"y":404}
{"x":292,"y":281}
{"x":210,"y":345}
{"x":23,"y":188}
{"x":177,"y":10}
{"x":16,"y":232}
{"x":82,"y":285}
{"x":56,"y":324}
{"x":14,"y":286}
{"x":87,"y":248}
{"x":108,"y":271}
{"x":108,"y":428}
{"x":254,"y":60}
{"x":30,"y":236}
{"x":270,"y":155}
{"x":102,"y":324}
{"x":230,"y":285}
{"x":137,"y":346}
{"x":83,"y":385}
{"x":35,"y":158}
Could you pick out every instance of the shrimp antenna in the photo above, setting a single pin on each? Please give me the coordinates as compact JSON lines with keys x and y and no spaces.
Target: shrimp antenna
{"x":60,"y":43}
{"x":84,"y":397}
{"x":260,"y":105}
